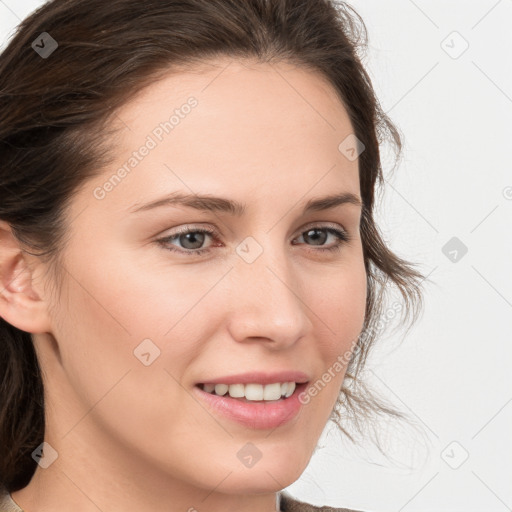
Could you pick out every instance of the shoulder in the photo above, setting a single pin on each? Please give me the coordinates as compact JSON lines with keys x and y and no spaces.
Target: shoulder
{"x":289,"y":504}
{"x":6,"y":503}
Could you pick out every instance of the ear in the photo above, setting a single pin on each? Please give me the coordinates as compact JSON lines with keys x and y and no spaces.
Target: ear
{"x":21,"y":304}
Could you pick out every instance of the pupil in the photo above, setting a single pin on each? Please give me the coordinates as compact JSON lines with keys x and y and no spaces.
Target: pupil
{"x":314,"y":238}
{"x":190,"y":237}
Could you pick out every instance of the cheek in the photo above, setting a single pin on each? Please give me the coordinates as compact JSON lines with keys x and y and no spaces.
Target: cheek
{"x":339,"y":308}
{"x":108,"y":312}
{"x":129,"y":314}
{"x":339,"y":305}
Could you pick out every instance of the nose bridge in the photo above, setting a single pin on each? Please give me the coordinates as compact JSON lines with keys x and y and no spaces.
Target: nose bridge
{"x":266,"y":302}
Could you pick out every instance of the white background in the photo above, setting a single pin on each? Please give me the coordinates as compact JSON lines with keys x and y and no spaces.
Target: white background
{"x":451,"y":372}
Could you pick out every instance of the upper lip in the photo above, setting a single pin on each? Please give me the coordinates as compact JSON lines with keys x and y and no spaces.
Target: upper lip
{"x":260,"y":378}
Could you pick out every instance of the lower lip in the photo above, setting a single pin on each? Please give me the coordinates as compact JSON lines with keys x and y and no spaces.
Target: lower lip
{"x":257,"y":414}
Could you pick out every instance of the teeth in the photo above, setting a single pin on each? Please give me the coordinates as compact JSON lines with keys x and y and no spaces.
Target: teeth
{"x":236,"y":390}
{"x":253,"y":391}
{"x":287,"y":389}
{"x":209,"y":388}
{"x":221,"y":389}
{"x":271,"y":391}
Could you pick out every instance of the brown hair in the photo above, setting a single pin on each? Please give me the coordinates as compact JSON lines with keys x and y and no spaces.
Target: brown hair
{"x":54,"y":136}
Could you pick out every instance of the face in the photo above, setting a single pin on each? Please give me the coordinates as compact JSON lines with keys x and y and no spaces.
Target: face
{"x":157,"y":300}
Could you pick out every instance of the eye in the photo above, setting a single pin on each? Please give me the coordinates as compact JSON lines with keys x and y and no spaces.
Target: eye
{"x":318,"y":234}
{"x":192,"y":239}
{"x":188,"y":236}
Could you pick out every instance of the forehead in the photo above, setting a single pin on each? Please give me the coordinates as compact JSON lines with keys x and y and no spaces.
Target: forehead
{"x":234,"y":125}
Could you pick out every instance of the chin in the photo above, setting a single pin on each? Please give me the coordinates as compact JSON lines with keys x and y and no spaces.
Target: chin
{"x":263,"y":478}
{"x":264,"y":483}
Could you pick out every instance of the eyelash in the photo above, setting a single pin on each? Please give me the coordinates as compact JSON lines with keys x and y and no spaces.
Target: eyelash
{"x":343,"y":238}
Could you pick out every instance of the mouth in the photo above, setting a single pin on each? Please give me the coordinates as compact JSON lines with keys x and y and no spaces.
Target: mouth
{"x":254,"y":405}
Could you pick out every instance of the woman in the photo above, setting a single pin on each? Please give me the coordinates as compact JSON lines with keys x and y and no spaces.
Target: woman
{"x":191,"y":274}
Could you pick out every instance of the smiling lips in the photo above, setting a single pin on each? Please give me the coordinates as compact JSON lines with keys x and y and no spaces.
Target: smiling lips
{"x":257,"y":400}
{"x":255,"y":414}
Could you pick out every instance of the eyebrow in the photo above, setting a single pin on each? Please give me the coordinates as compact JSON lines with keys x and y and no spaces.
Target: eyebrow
{"x":209,"y":203}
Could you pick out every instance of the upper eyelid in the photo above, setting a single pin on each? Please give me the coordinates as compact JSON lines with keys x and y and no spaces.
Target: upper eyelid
{"x":216,"y":232}
{"x":337,"y":230}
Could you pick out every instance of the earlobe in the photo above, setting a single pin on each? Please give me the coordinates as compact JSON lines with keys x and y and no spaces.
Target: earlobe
{"x":20,"y":303}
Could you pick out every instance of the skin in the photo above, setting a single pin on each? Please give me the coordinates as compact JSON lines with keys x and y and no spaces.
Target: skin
{"x":131,"y":437}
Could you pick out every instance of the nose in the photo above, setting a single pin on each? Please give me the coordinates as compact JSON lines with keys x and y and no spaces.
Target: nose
{"x":266,"y":302}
